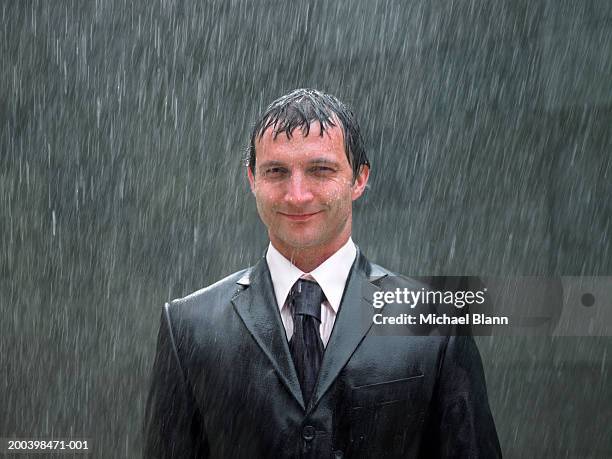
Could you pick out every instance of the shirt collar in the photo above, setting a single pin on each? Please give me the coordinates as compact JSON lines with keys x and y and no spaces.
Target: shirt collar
{"x":331,"y":275}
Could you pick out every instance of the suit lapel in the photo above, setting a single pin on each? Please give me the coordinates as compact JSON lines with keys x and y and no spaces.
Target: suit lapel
{"x":351,"y":324}
{"x":257,"y":307}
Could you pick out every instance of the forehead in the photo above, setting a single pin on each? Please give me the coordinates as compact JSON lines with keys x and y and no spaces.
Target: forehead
{"x":299,"y":146}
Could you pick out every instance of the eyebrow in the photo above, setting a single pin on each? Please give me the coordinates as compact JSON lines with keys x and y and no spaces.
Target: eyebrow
{"x":324,"y":161}
{"x":273,"y":163}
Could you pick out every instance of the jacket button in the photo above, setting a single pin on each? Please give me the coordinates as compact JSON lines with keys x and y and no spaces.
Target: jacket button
{"x":338,"y":454}
{"x":308,"y":433}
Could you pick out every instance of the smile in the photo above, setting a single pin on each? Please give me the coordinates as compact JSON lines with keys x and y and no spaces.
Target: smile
{"x":298,"y":217}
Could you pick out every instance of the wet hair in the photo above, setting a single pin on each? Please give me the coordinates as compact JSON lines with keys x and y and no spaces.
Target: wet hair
{"x":301,"y":107}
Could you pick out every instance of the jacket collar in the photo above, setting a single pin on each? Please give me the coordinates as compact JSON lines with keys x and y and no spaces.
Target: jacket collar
{"x":331,"y":275}
{"x":256,"y":305}
{"x":374,"y":274}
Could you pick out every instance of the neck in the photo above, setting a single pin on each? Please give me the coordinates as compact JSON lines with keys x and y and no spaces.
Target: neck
{"x":309,"y":258}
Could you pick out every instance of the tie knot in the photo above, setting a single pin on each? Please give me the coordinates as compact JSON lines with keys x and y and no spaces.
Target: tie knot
{"x":306,"y":297}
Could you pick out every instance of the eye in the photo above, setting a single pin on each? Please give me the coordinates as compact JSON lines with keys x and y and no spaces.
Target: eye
{"x":275,"y":171}
{"x":322,"y":170}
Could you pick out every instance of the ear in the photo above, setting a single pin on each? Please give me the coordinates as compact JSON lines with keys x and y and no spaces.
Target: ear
{"x":251,"y":179}
{"x":360,"y":182}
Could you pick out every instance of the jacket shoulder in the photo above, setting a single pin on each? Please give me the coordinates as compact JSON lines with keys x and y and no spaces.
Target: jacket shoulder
{"x":221,"y":292}
{"x":386,"y":279}
{"x":376,"y":272}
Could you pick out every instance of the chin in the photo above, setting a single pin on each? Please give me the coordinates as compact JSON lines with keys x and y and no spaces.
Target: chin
{"x":301,"y":243}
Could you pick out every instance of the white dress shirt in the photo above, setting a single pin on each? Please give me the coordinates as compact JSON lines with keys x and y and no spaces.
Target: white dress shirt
{"x":331,"y":276}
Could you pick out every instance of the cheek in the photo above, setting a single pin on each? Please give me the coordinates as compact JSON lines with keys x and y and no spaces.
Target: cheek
{"x":338,"y":195}
{"x":268,"y":203}
{"x":264,"y":197}
{"x":261,"y":201}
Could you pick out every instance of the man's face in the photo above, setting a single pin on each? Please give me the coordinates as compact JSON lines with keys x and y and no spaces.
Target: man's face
{"x":304,"y":189}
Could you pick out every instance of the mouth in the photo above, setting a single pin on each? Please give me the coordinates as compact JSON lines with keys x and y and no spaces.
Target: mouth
{"x":299,"y":217}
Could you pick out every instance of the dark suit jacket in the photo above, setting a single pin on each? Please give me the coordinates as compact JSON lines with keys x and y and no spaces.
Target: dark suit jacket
{"x":224,"y":384}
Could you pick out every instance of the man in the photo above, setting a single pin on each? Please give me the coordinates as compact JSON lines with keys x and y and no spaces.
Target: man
{"x":276,"y":360}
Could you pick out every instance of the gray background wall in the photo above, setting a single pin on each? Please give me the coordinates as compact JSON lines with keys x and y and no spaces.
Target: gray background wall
{"x":122,"y":125}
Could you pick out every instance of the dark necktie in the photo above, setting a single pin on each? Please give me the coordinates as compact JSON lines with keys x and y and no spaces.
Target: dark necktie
{"x":305,"y":345}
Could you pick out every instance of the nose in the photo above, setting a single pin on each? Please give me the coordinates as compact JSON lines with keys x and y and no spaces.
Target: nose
{"x":298,"y":190}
